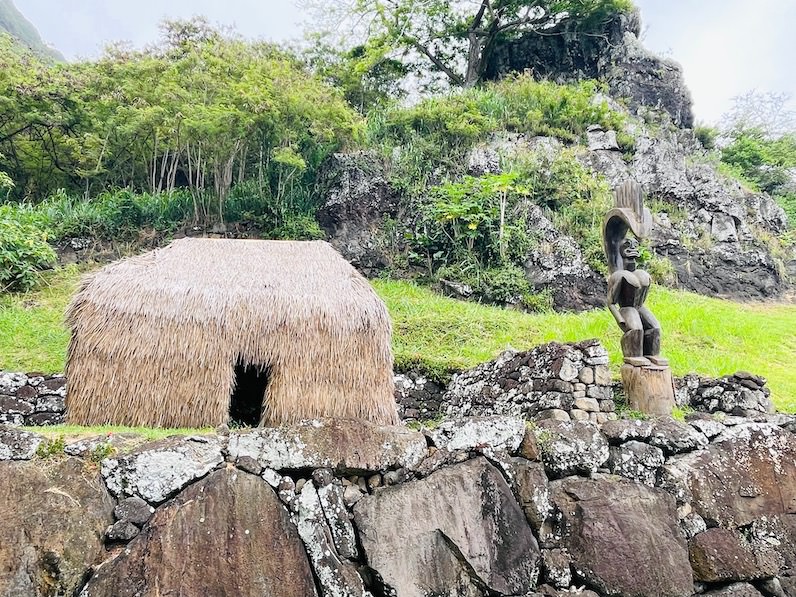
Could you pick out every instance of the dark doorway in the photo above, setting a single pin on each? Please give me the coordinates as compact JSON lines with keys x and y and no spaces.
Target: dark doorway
{"x":246,"y":404}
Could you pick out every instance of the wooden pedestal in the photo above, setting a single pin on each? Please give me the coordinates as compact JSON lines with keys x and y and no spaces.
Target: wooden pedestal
{"x":649,"y":389}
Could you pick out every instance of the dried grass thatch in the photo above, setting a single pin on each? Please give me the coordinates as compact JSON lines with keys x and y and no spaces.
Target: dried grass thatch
{"x":155,"y":338}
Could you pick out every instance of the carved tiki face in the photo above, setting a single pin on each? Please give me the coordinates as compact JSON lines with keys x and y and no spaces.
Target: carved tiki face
{"x":629,"y":249}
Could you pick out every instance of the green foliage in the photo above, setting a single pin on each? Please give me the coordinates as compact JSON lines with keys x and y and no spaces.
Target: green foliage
{"x":51,"y":448}
{"x":201,"y":111}
{"x":472,"y":221}
{"x":122,"y":214}
{"x":660,"y":268}
{"x":24,"y":251}
{"x":763,"y":163}
{"x":101,"y":451}
{"x":517,"y":103}
{"x":366,"y":74}
{"x":454,"y":39}
{"x":706,"y":135}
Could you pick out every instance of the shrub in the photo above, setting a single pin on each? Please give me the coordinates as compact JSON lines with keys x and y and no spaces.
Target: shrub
{"x":706,"y":135}
{"x":23,"y":251}
{"x":434,"y":134}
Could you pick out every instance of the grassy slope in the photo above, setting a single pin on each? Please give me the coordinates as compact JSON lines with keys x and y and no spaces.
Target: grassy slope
{"x":704,"y":335}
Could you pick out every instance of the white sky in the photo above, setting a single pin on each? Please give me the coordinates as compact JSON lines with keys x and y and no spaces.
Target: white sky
{"x":726,"y":47}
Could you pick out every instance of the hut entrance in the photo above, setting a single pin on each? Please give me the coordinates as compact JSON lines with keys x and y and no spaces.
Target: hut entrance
{"x":246,"y":403}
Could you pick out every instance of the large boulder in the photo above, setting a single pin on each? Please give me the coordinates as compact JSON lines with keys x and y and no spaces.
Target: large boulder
{"x":52,"y":519}
{"x":614,"y":529}
{"x":711,"y":229}
{"x":747,"y":473}
{"x":159,"y":470}
{"x":339,"y":444}
{"x":615,"y":56}
{"x":456,"y":530}
{"x":16,"y":444}
{"x":226,"y":535}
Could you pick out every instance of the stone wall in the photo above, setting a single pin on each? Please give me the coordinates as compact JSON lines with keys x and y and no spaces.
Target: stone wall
{"x":551,"y":381}
{"x":32,"y":399}
{"x":473,"y":507}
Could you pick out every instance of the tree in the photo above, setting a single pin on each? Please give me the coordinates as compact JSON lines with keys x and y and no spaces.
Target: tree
{"x":766,"y":113}
{"x":455,"y":38}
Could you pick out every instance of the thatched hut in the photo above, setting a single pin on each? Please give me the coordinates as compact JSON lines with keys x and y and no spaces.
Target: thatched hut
{"x":204,"y":331}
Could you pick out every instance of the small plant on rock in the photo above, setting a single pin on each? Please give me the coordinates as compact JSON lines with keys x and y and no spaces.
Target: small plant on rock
{"x":51,"y":448}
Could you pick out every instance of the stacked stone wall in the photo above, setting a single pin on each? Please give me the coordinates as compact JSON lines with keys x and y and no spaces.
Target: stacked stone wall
{"x":32,"y":399}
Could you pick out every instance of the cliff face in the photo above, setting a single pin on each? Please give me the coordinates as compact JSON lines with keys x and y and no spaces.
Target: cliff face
{"x":614,"y":56}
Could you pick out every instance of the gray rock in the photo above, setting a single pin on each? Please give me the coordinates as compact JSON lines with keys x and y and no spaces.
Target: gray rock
{"x":357,"y":198}
{"x":722,"y":228}
{"x":134,"y":510}
{"x":557,"y":567}
{"x":332,"y":501}
{"x":723,"y":555}
{"x":674,"y":437}
{"x":616,"y":56}
{"x":532,"y":488}
{"x":748,"y":472}
{"x":740,"y":589}
{"x":352,"y":494}
{"x":637,"y":461}
{"x":570,"y":448}
{"x":554,"y":414}
{"x":708,"y":426}
{"x":16,"y":444}
{"x":11,"y":420}
{"x":249,"y":465}
{"x":597,"y":139}
{"x":121,"y":532}
{"x":622,"y":430}
{"x":343,"y":445}
{"x":14,"y":406}
{"x":242,"y":543}
{"x":483,"y":433}
{"x":54,"y":516}
{"x":51,"y":403}
{"x":432,"y":536}
{"x":10,"y":383}
{"x":159,"y":470}
{"x":336,"y":578}
{"x":692,"y":524}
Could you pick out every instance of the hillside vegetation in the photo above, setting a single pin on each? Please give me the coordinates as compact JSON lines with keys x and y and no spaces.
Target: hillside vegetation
{"x":24,"y":32}
{"x":441,"y":335}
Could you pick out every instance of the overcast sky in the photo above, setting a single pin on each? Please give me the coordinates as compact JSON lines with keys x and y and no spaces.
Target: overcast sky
{"x":726,"y":47}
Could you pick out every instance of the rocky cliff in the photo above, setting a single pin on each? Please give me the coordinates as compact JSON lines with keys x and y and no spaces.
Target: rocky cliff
{"x":718,"y":237}
{"x":711,"y":235}
{"x":615,"y":56}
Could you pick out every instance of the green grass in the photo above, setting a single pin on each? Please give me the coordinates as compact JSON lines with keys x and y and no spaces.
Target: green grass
{"x":75,"y":432}
{"x":32,"y":332}
{"x":703,"y":335}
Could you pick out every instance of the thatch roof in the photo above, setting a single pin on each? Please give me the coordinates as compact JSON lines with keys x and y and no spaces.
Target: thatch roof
{"x":155,"y":338}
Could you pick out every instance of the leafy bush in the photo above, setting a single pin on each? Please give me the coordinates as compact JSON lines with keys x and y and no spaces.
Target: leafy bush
{"x":434,"y":134}
{"x":23,"y":251}
{"x":472,"y":222}
{"x":706,"y":135}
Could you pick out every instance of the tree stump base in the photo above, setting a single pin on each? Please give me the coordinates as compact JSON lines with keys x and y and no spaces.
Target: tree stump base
{"x":649,"y":388}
